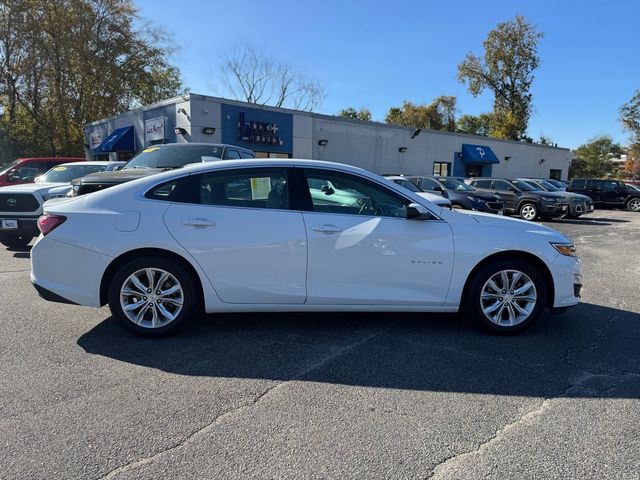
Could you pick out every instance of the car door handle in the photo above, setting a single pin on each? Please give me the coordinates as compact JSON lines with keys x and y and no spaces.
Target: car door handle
{"x":198,"y":222}
{"x":326,"y":229}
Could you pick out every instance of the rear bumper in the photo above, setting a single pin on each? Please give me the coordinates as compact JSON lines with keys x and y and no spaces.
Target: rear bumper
{"x":63,"y":272}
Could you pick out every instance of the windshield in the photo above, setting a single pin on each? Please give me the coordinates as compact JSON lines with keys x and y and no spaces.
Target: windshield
{"x":524,"y":186}
{"x":632,"y":186}
{"x":453,"y":184}
{"x":407,"y":184}
{"x":66,"y":173}
{"x":5,"y":168}
{"x":174,"y":156}
{"x":549,"y":187}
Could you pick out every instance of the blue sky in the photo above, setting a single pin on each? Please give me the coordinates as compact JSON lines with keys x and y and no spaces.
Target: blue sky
{"x":376,"y":54}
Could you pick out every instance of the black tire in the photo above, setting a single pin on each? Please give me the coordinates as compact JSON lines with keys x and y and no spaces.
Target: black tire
{"x":473,"y":301}
{"x":15,"y":241}
{"x":189,"y":297}
{"x":526,"y":208}
{"x":633,"y":205}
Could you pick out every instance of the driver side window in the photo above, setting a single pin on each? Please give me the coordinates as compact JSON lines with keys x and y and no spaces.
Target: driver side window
{"x":343,"y":193}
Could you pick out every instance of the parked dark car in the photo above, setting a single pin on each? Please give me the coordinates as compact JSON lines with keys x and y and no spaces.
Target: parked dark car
{"x":159,"y":158}
{"x":578,"y":204}
{"x":559,"y":184}
{"x":460,"y":194}
{"x":522,"y":199}
{"x":607,"y":193}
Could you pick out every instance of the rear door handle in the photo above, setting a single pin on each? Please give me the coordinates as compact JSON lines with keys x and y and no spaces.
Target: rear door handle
{"x":198,"y":222}
{"x":326,"y":229}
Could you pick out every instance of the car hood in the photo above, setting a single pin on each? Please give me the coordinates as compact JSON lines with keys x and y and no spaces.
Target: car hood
{"x":508,"y":223}
{"x":30,"y":187}
{"x":120,"y":176}
{"x":437,"y":199}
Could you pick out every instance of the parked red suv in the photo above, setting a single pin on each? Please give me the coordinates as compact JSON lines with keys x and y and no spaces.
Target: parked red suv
{"x":25,"y":170}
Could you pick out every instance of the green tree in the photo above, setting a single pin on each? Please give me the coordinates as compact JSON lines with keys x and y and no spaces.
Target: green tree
{"x":630,"y":118}
{"x":594,"y":157}
{"x":506,"y":68}
{"x":438,"y":115}
{"x":362,"y":114}
{"x":66,"y":62}
{"x":475,"y":124}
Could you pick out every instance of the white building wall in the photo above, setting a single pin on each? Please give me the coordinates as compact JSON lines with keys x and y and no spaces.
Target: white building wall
{"x":302,"y":136}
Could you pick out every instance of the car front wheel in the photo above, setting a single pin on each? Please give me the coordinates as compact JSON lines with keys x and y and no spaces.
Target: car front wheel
{"x":507,"y":296}
{"x":152,"y":296}
{"x":528,"y":211}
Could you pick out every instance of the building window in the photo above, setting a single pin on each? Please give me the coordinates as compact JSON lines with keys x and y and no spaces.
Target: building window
{"x":441,"y":169}
{"x":260,"y":154}
{"x":555,"y":174}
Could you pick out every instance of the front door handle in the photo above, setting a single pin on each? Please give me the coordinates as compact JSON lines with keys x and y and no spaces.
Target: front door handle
{"x":198,"y":222}
{"x":326,"y":229}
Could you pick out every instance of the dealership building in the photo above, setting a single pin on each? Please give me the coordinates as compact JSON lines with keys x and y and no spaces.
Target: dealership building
{"x":283,"y":133}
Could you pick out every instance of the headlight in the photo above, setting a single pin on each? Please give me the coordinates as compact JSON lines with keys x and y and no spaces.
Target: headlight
{"x":550,"y":199}
{"x":568,"y":249}
{"x":474,"y":199}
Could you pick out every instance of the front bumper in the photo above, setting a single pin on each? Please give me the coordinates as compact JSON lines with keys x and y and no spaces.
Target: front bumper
{"x":553,"y":209}
{"x":24,"y":225}
{"x":580,"y":208}
{"x":567,"y":279}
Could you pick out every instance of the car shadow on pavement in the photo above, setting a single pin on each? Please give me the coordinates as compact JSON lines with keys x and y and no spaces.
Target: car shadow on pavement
{"x":589,"y":351}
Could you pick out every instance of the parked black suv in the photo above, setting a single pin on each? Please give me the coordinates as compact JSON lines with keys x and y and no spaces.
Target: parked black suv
{"x":578,"y":204}
{"x":159,"y":158}
{"x":460,"y":194}
{"x":609,"y":193}
{"x":522,"y":199}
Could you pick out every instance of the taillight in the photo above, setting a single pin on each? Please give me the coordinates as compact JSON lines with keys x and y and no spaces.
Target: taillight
{"x":47,"y":223}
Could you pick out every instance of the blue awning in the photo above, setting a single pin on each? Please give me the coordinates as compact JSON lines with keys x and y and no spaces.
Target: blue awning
{"x":478,"y":154}
{"x":120,"y":140}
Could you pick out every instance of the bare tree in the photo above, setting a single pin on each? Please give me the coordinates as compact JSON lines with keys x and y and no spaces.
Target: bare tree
{"x":256,"y":77}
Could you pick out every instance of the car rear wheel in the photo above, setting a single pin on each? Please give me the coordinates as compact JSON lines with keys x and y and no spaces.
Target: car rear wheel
{"x":634,"y":205}
{"x":507,"y":296}
{"x":152,"y":296}
{"x":528,"y":211}
{"x":15,"y":241}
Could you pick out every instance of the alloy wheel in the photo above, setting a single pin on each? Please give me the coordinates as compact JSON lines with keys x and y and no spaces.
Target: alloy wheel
{"x":529,"y":212}
{"x":634,"y":205}
{"x":508,"y":298}
{"x":151,"y":298}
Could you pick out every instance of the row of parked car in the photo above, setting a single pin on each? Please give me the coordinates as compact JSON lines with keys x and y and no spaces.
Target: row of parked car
{"x":530,"y":198}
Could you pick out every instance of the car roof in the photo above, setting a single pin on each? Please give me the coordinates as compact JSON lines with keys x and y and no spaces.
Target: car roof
{"x":196,"y":144}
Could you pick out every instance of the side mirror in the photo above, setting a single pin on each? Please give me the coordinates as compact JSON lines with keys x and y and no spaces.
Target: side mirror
{"x":513,"y":189}
{"x":437,"y":188}
{"x":206,"y":158}
{"x":13,"y":175}
{"x":327,"y":190}
{"x":415,"y":211}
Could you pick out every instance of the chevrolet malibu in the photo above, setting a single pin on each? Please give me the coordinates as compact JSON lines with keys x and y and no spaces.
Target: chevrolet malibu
{"x":256,"y":235}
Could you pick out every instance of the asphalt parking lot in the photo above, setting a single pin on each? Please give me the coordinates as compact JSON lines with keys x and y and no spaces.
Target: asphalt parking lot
{"x":330,"y":395}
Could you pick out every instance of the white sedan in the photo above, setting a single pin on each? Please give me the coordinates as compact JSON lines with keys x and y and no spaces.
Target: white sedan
{"x":252,"y":235}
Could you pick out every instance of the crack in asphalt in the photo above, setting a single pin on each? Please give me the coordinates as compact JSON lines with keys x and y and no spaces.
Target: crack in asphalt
{"x":241,"y":409}
{"x":16,"y":271}
{"x":446,"y":467}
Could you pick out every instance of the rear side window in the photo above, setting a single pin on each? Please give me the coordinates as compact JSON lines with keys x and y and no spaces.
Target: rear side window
{"x":233,"y":154}
{"x":610,"y":186}
{"x":165,"y":191}
{"x":594,"y":183}
{"x":578,"y":183}
{"x":245,"y":154}
{"x":428,"y":184}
